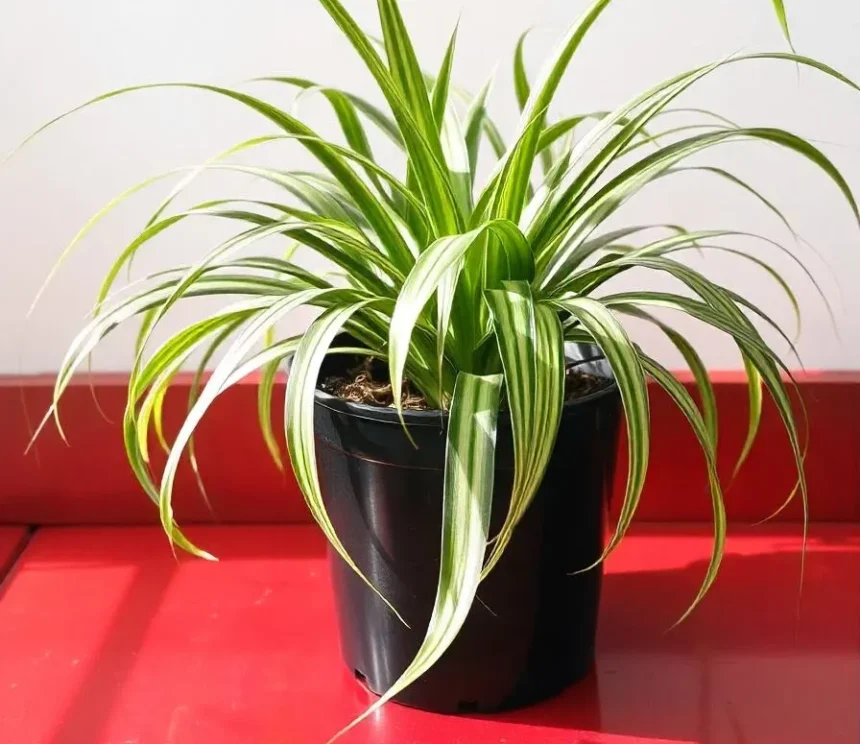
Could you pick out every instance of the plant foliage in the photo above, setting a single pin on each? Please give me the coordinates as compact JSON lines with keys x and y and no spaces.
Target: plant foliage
{"x":466,"y":289}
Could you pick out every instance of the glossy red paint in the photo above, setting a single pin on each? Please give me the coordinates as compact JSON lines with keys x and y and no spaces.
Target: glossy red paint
{"x":90,"y":482}
{"x":107,"y":638}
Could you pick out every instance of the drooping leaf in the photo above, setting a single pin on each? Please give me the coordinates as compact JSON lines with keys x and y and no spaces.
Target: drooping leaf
{"x":694,"y":362}
{"x":624,"y":360}
{"x":299,"y":420}
{"x":685,"y":403}
{"x":264,"y":405}
{"x":232,"y":358}
{"x":624,"y":185}
{"x":531,"y":347}
{"x":657,"y":99}
{"x":466,"y":505}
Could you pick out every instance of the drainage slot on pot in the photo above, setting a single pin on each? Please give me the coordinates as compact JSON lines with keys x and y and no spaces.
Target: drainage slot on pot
{"x":467,"y":706}
{"x":359,"y":675}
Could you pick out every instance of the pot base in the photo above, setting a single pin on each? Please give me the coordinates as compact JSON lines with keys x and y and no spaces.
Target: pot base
{"x":465,"y":707}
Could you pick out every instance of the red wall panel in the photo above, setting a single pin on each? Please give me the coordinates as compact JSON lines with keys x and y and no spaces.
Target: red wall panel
{"x":88,"y":480}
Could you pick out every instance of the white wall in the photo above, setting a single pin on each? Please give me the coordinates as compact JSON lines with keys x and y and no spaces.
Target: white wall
{"x":54,"y":54}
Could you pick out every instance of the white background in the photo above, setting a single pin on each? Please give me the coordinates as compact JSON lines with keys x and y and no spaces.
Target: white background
{"x":55,"y":54}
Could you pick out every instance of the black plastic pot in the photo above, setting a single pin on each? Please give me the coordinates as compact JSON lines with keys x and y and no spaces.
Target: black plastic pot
{"x":532,"y":632}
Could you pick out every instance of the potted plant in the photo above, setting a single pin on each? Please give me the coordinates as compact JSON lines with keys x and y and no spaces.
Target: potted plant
{"x":451,"y":413}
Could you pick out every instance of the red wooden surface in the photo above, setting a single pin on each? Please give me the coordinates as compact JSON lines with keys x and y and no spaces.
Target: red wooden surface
{"x":106,"y":638}
{"x":89,"y":482}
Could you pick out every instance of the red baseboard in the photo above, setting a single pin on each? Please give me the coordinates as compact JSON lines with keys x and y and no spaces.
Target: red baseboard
{"x":89,"y":481}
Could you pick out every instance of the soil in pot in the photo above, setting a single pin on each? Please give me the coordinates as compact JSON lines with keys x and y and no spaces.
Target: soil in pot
{"x":367,"y":382}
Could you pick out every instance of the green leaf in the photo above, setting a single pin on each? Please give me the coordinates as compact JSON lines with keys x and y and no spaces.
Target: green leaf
{"x":779,"y":7}
{"x":214,"y":387}
{"x":193,"y":395}
{"x":545,"y":219}
{"x":556,"y":131}
{"x":624,"y":360}
{"x":590,"y":279}
{"x":443,"y":81}
{"x":693,"y":307}
{"x":168,"y":361}
{"x":759,"y":356}
{"x":694,"y":362}
{"x":506,"y":199}
{"x":538,"y":103}
{"x":523,"y":90}
{"x":299,"y":418}
{"x":87,"y":340}
{"x":406,"y":71}
{"x":522,"y":87}
{"x":193,"y":173}
{"x":754,"y":387}
{"x":466,"y":506}
{"x":90,"y":224}
{"x":631,"y":180}
{"x":328,"y":155}
{"x":157,"y":375}
{"x":567,"y":195}
{"x":570,"y":280}
{"x":683,"y":400}
{"x":431,"y":269}
{"x":777,"y":277}
{"x":531,"y":347}
{"x":373,"y":113}
{"x":161,"y":371}
{"x":732,"y":178}
{"x":714,"y":295}
{"x":457,"y":159}
{"x":344,"y":246}
{"x":264,"y":404}
{"x":475,"y":125}
{"x":413,"y":112}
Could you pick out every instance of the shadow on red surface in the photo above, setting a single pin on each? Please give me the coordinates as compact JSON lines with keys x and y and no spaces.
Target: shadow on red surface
{"x":753,"y":665}
{"x":108,"y":638}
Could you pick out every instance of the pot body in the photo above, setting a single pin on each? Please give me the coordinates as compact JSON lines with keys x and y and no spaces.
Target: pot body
{"x":532,"y":630}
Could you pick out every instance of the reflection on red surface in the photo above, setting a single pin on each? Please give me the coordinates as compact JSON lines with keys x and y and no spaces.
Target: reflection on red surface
{"x":106,"y":638}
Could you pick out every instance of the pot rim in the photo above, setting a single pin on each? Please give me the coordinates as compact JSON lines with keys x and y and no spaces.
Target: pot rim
{"x":435,"y":417}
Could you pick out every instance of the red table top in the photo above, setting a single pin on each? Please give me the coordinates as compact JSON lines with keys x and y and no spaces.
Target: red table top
{"x":105,"y":638}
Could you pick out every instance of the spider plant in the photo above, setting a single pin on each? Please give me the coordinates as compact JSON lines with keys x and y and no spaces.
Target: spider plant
{"x":466,"y":289}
